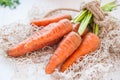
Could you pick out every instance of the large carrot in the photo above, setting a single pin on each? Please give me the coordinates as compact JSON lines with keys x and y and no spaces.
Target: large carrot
{"x":41,"y":38}
{"x":89,"y":44}
{"x":67,"y":46}
{"x":46,"y":21}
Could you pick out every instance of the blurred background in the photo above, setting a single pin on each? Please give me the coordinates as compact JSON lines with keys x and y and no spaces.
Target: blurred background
{"x":8,"y":15}
{"x":20,"y":13}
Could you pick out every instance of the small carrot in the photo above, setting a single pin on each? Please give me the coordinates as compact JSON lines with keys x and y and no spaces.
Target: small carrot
{"x":67,"y":46}
{"x":52,"y":19}
{"x":41,"y":38}
{"x":89,"y":44}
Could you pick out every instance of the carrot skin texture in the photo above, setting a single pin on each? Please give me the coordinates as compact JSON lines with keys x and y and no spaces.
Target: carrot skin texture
{"x":67,"y":46}
{"x":16,"y":50}
{"x":89,"y":44}
{"x":46,"y":21}
{"x":41,"y":38}
{"x":53,"y":42}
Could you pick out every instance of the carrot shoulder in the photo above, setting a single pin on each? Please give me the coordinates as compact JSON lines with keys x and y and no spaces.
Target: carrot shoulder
{"x":41,"y":38}
{"x":67,"y":46}
{"x":89,"y":44}
{"x":46,"y":21}
{"x":76,"y":27}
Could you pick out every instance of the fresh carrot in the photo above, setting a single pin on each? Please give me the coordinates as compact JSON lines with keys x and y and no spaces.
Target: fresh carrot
{"x":41,"y":38}
{"x":19,"y":50}
{"x":89,"y":44}
{"x":46,"y":21}
{"x":67,"y":46}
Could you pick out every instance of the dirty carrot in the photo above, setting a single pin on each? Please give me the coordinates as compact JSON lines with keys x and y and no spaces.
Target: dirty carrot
{"x":41,"y":38}
{"x":46,"y":21}
{"x":67,"y":46}
{"x":89,"y":44}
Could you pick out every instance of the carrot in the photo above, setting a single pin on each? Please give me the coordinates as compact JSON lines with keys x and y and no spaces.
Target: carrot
{"x":76,"y":27}
{"x":41,"y":38}
{"x":89,"y":44}
{"x":46,"y":21}
{"x":53,"y":42}
{"x":67,"y":46}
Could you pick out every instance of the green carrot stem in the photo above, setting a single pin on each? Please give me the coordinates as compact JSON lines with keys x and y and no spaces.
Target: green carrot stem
{"x":85,"y":17}
{"x":96,"y":29}
{"x":77,"y":15}
{"x":84,"y":23}
{"x":109,"y":6}
{"x":80,"y":16}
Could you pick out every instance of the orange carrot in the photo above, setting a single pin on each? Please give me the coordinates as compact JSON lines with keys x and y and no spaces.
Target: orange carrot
{"x":46,"y":21}
{"x":76,"y":27}
{"x":89,"y":44}
{"x":67,"y":46}
{"x":41,"y":38}
{"x":56,"y":41}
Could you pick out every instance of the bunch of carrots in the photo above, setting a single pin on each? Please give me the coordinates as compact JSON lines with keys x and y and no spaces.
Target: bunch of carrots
{"x":74,"y":36}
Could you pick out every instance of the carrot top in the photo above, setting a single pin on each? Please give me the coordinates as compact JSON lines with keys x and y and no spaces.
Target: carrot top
{"x":85,"y":17}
